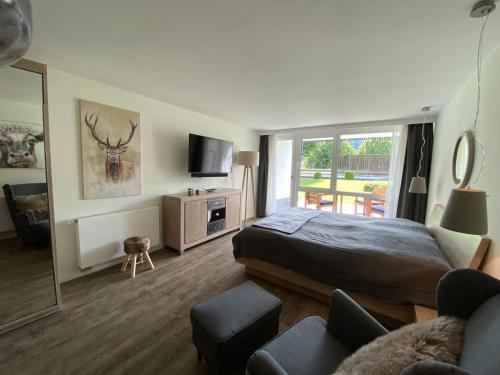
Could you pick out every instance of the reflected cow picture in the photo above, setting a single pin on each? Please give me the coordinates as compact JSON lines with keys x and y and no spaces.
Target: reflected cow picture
{"x":111,"y":155}
{"x":21,"y":145}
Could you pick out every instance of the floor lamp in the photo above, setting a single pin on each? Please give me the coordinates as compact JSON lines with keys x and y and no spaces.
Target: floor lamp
{"x":248,"y":159}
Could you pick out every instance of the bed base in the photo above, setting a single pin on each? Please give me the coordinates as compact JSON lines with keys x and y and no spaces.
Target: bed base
{"x":387,"y":312}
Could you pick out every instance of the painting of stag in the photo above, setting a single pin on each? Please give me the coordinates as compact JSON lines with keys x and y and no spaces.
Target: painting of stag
{"x":21,"y":145}
{"x":111,"y":151}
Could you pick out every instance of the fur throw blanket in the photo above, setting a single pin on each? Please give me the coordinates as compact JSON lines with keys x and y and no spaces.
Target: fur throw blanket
{"x":439,"y":340}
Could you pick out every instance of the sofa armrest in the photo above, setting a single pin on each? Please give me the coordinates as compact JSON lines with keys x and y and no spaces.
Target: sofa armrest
{"x":350,"y":323}
{"x":429,"y":367}
{"x":460,"y":292}
{"x":263,"y":363}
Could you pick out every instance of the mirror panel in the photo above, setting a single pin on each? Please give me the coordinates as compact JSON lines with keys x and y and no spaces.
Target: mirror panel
{"x":27,"y":279}
{"x":463,"y":159}
{"x":462,"y":156}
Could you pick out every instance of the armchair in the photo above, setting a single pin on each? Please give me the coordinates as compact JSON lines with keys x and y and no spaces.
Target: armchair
{"x":315,"y":346}
{"x":32,"y":231}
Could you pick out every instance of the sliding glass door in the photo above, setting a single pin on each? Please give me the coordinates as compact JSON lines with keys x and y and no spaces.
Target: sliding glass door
{"x":363,"y":173}
{"x":349,"y":171}
{"x":316,"y":172}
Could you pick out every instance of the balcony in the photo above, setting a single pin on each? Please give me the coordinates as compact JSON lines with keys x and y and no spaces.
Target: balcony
{"x":352,"y":203}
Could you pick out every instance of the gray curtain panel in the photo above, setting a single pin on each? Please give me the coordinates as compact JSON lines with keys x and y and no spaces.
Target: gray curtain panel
{"x":414,"y":206}
{"x":263,"y":175}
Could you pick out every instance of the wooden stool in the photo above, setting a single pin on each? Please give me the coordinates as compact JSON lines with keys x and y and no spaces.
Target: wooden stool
{"x":134,"y":247}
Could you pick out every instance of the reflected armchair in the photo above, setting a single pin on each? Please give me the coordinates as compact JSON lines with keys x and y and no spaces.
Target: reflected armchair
{"x":32,"y":230}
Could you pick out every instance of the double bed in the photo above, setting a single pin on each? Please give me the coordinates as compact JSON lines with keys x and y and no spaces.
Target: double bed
{"x":388,"y":265}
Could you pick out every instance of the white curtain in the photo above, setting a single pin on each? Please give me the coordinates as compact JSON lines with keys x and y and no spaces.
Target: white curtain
{"x":399,"y":138}
{"x":271,"y":178}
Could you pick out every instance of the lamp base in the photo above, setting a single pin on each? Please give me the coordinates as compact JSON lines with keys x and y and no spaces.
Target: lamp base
{"x":248,"y":175}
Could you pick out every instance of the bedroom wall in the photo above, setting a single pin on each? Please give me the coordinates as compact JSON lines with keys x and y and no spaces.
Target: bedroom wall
{"x":164,"y":136}
{"x":458,"y":115}
{"x":18,"y":112}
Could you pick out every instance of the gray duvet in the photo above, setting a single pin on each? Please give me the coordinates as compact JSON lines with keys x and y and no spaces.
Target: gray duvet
{"x":395,"y":259}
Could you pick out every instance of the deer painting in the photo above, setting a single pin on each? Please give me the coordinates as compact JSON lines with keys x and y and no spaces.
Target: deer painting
{"x":116,"y":169}
{"x":111,"y":151}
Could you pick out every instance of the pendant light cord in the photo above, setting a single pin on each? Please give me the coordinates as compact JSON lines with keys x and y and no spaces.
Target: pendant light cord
{"x":421,"y":148}
{"x":484,"y":21}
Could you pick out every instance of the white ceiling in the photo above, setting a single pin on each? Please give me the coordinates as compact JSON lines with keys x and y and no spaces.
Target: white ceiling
{"x":269,"y":64}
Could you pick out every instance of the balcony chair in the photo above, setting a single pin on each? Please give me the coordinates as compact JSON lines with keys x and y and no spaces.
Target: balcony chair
{"x":372,"y":205}
{"x":319,"y":202}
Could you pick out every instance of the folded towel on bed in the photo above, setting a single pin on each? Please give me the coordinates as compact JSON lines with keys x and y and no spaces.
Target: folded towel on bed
{"x":289,"y":221}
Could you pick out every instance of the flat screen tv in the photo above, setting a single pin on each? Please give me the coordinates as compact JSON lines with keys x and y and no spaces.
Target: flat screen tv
{"x":209,"y":157}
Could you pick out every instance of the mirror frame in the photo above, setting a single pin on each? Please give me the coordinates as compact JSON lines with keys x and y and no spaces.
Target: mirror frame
{"x":35,"y":67}
{"x":468,"y":137}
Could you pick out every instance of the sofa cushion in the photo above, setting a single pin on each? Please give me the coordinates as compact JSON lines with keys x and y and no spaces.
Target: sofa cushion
{"x":439,"y":339}
{"x":38,"y":203}
{"x":304,"y":348}
{"x":481,"y":346}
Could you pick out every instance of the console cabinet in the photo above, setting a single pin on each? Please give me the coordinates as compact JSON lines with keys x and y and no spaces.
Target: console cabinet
{"x":191,"y":220}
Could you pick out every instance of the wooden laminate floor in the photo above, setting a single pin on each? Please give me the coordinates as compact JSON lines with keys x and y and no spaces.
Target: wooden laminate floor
{"x":26,"y":279}
{"x":111,"y":324}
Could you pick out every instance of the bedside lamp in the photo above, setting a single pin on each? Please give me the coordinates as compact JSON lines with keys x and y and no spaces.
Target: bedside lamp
{"x":466,"y":209}
{"x":248,"y":159}
{"x":418,"y":184}
{"x":16,"y":29}
{"x":466,"y":212}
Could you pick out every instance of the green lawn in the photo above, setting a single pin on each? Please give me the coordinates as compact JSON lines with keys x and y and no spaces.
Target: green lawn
{"x":342,"y":185}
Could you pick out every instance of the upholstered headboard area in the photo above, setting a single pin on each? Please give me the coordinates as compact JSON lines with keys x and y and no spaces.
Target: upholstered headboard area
{"x":462,"y":250}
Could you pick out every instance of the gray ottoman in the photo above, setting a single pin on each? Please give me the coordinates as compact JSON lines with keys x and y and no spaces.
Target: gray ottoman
{"x":229,"y":327}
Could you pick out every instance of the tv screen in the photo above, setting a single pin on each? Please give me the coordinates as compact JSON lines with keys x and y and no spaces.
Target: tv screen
{"x":209,"y":156}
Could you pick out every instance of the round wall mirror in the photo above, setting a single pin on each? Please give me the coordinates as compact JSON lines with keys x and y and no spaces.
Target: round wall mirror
{"x":463,"y":159}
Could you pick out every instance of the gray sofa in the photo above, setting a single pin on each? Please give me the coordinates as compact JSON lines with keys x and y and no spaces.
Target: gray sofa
{"x":315,"y":346}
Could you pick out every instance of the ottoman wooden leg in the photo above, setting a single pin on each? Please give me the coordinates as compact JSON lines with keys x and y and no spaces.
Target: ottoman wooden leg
{"x":134,"y":264}
{"x":148,"y":259}
{"x":125,"y":262}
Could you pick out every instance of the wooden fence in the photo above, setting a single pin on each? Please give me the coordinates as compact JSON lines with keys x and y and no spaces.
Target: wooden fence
{"x":366,"y":165}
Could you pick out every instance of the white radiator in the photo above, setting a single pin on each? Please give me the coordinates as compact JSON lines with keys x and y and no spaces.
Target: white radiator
{"x":100,"y":238}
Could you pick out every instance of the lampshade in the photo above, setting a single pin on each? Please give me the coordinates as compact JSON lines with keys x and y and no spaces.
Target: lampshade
{"x":418,"y":185}
{"x":248,"y":158}
{"x":15,"y":30}
{"x":466,"y":212}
